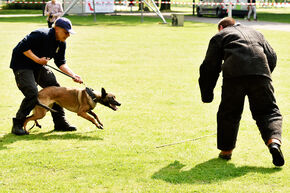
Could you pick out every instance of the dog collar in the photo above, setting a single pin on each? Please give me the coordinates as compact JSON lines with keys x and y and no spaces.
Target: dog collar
{"x":91,"y":94}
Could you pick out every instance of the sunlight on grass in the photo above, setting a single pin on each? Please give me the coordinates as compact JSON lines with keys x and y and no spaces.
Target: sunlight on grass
{"x":153,"y":71}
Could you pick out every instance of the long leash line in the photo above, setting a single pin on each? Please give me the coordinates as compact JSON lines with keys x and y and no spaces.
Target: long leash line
{"x":63,"y":73}
{"x":170,"y":144}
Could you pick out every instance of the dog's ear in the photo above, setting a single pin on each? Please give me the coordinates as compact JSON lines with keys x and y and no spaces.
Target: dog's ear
{"x":104,"y":93}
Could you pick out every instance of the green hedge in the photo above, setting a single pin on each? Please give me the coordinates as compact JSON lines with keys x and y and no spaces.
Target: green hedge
{"x":24,"y":5}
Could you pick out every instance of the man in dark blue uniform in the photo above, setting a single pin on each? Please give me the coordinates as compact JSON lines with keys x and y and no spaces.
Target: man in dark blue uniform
{"x":28,"y":62}
{"x":246,"y":60}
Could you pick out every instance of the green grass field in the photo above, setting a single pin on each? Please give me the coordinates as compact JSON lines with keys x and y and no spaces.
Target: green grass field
{"x":153,"y":70}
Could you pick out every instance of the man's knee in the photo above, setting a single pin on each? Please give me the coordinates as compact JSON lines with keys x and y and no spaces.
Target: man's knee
{"x":31,"y":98}
{"x":51,"y":80}
{"x":30,"y":92}
{"x":47,"y":78}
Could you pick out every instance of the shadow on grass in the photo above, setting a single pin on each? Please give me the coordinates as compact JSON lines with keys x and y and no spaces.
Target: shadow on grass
{"x":51,"y":135}
{"x":211,"y":171}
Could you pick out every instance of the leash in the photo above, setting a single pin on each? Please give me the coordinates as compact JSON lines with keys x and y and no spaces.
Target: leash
{"x":63,"y":73}
{"x":170,"y":144}
{"x":88,"y":90}
{"x":59,"y":71}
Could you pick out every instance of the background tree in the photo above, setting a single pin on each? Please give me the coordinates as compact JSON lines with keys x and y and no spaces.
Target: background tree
{"x":165,"y":6}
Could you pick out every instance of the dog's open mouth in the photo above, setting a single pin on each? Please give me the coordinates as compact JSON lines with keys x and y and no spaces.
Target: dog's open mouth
{"x":114,"y":107}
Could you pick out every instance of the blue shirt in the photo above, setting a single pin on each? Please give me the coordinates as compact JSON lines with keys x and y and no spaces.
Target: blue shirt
{"x":42,"y":43}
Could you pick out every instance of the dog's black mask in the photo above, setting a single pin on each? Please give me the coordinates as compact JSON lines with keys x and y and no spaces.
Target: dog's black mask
{"x":109,"y":100}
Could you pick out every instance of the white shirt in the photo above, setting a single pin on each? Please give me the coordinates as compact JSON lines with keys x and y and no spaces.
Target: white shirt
{"x":55,"y":9}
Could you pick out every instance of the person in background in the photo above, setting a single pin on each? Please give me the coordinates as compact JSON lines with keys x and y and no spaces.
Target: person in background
{"x":28,"y":62}
{"x":53,"y":10}
{"x":246,"y":61}
{"x":252,"y":8}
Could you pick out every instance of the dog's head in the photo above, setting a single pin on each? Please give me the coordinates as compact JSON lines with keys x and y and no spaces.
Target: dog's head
{"x":109,"y":100}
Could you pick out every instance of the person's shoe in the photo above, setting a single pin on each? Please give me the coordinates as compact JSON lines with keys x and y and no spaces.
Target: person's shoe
{"x":65,"y":126}
{"x":278,"y":158}
{"x":17,"y":127}
{"x":226,"y":155}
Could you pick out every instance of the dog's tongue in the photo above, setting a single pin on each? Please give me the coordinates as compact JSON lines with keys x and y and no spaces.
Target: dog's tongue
{"x":114,"y":107}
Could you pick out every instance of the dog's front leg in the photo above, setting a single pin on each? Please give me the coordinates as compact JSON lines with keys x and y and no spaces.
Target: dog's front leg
{"x":86,"y":116}
{"x":96,"y":117}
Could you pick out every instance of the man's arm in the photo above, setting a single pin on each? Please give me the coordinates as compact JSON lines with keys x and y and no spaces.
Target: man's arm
{"x":46,"y":12}
{"x":271,"y":55}
{"x":209,"y":71}
{"x":36,"y":59}
{"x":60,"y":11}
{"x":65,"y":68}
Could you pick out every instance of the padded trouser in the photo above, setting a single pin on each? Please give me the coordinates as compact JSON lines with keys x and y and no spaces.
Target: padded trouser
{"x":263,"y":107}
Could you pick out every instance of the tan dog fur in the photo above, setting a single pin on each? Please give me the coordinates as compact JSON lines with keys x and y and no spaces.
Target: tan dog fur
{"x":75,"y":100}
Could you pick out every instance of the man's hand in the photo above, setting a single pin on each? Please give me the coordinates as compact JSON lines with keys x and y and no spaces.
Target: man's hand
{"x":64,"y":68}
{"x":78,"y":79}
{"x":43,"y":61}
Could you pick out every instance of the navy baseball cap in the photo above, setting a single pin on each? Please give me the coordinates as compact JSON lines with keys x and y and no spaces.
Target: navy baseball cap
{"x":64,"y":23}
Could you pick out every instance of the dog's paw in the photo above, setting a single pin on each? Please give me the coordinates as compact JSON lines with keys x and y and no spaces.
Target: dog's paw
{"x":100,"y":126}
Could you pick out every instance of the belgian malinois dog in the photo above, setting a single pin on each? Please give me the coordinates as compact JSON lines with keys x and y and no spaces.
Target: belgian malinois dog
{"x":79,"y":101}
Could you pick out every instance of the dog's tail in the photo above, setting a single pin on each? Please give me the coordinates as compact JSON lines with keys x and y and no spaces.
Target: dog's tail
{"x":46,"y":107}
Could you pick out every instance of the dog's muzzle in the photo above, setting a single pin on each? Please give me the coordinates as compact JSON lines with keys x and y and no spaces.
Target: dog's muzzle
{"x":114,"y":105}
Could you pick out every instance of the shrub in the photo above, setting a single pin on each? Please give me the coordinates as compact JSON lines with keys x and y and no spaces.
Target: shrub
{"x":37,"y":6}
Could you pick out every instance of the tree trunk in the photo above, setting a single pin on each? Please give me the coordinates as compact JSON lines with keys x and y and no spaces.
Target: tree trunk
{"x":193,"y":7}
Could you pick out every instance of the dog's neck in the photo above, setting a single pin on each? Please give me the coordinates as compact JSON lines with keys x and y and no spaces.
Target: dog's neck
{"x":94,"y":98}
{"x":98,"y":98}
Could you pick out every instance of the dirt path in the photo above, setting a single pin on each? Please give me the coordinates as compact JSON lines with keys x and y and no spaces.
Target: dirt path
{"x":254,"y":24}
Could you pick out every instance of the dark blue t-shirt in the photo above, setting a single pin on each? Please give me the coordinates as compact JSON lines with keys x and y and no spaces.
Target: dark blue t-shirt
{"x":42,"y":43}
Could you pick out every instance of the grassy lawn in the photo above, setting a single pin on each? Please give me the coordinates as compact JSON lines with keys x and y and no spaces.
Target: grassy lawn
{"x":153,"y":70}
{"x":274,"y":14}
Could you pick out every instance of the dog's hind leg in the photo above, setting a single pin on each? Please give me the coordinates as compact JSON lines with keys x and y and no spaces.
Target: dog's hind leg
{"x":26,"y":121}
{"x":38,"y":113}
{"x":37,"y":124}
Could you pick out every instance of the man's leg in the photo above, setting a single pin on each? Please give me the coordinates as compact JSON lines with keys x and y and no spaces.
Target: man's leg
{"x":249,"y":13}
{"x":46,"y":78}
{"x":229,"y":115}
{"x":267,"y":115}
{"x":49,"y":24}
{"x":255,"y":13}
{"x":26,"y":83}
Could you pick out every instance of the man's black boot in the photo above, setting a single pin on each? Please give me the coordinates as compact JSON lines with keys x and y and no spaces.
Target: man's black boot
{"x":60,"y":123}
{"x":17,"y":127}
{"x":278,"y":158}
{"x":63,"y":125}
